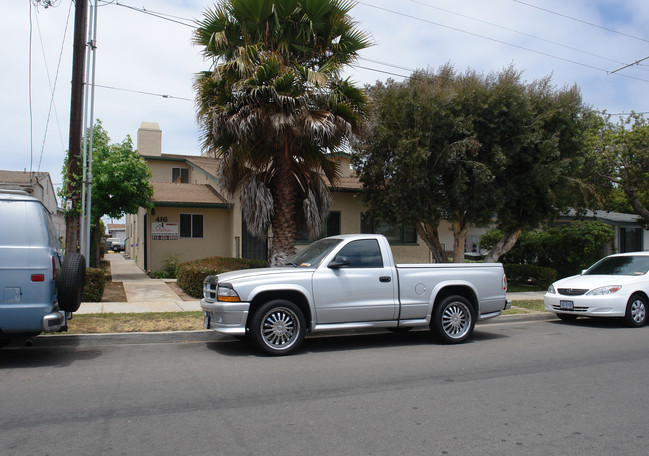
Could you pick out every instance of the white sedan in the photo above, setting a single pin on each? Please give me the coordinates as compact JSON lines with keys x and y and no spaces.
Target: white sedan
{"x":615,"y":286}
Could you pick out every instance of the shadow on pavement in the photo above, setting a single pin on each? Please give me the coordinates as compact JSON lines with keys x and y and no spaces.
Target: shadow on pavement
{"x":320,"y":343}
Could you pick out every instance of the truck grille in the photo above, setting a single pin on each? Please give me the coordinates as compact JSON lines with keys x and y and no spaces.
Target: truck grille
{"x":572,"y":291}
{"x":209,"y":291}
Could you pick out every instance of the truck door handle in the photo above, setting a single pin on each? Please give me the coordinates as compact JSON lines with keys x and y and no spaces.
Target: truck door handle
{"x":385,"y":279}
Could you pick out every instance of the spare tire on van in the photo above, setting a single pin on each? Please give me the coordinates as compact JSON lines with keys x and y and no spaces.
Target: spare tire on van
{"x":70,"y":282}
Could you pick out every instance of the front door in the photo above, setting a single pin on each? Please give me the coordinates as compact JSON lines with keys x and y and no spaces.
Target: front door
{"x":363,"y":291}
{"x":251,"y":246}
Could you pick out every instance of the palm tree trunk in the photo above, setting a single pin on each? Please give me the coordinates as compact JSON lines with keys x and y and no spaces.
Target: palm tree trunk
{"x":284,"y":220}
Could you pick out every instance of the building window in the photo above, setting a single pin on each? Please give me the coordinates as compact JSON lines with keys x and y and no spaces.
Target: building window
{"x":191,"y":225}
{"x":630,"y":239}
{"x":396,"y":234}
{"x":331,"y":228}
{"x":180,"y":175}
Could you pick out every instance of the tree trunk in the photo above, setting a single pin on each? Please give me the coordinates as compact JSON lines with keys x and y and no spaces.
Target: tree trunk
{"x":503,"y":246}
{"x":460,"y":229}
{"x":430,"y":235}
{"x":639,"y":208}
{"x":283,"y":247}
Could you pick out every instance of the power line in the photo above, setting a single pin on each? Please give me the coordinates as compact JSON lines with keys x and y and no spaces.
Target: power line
{"x":52,"y":88}
{"x":592,"y":67}
{"x":517,"y":31}
{"x":142,"y":92}
{"x":166,"y":17}
{"x":582,"y":21}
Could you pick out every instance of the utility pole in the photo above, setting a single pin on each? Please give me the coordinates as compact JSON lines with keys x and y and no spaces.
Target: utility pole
{"x":76,"y":121}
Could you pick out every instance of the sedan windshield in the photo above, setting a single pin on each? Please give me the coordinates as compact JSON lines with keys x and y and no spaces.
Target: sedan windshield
{"x":622,"y":265}
{"x":313,"y":254}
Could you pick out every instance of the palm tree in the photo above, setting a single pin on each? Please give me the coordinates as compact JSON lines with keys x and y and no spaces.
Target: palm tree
{"x":274,"y":107}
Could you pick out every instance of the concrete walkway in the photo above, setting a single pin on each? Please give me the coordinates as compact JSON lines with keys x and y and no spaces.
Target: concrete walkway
{"x":143,"y":294}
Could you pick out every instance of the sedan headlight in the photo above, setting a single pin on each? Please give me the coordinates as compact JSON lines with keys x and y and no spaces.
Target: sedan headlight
{"x":609,"y":289}
{"x":551,"y":289}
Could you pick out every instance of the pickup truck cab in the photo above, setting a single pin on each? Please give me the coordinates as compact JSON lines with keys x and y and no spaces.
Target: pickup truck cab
{"x":351,"y":282}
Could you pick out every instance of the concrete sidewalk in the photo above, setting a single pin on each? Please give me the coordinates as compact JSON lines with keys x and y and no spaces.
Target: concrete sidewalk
{"x":143,"y":294}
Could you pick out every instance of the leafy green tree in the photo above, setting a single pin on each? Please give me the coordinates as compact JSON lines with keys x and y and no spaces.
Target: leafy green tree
{"x":468,"y":147}
{"x":620,"y":163}
{"x":274,"y":106}
{"x":120,"y":181}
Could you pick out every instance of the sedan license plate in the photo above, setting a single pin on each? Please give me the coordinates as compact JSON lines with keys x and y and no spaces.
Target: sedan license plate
{"x":566,"y":305}
{"x":206,"y":321}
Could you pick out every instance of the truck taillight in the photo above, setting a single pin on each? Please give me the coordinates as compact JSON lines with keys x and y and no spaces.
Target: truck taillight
{"x":53,"y":268}
{"x":504,"y":282}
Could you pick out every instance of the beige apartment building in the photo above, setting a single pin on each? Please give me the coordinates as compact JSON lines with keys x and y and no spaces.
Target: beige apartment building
{"x":193,"y":218}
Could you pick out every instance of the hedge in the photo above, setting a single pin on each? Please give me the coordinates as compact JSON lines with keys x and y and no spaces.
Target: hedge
{"x":529,"y":274}
{"x":93,"y":286}
{"x":190,"y":275}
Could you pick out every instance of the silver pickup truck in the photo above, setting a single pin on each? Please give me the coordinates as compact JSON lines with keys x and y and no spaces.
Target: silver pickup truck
{"x":351,"y":282}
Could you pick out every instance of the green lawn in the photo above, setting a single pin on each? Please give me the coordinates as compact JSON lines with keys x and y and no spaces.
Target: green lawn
{"x":525,"y":306}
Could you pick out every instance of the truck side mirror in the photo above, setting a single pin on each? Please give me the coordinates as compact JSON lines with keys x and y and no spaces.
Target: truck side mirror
{"x":339,"y":262}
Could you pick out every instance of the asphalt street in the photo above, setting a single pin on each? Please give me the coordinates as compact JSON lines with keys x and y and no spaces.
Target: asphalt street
{"x":533,"y":387}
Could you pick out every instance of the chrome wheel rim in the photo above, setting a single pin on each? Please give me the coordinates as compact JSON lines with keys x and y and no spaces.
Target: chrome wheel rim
{"x":638,"y":311}
{"x":456,"y":320}
{"x":280,"y":328}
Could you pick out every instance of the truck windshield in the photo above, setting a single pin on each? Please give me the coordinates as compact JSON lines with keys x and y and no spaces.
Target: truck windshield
{"x":313,"y":254}
{"x":622,"y":265}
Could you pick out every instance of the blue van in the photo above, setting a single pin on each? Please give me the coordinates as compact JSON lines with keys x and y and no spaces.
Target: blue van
{"x":38,"y":289}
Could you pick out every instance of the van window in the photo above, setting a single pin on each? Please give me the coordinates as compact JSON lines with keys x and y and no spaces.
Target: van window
{"x":22,"y":224}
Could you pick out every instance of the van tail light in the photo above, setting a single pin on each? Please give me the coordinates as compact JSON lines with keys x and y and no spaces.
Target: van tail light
{"x":38,"y":277}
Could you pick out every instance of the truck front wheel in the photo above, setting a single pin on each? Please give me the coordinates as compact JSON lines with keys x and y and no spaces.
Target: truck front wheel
{"x":453,"y":320}
{"x":278,"y":327}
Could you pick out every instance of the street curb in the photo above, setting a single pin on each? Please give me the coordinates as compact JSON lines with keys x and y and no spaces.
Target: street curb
{"x":528,"y":316}
{"x":66,"y":340}
{"x":52,"y":340}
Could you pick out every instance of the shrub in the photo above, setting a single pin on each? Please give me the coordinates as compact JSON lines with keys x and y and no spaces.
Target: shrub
{"x":162,"y":274}
{"x":169,"y":266}
{"x":191,"y":274}
{"x":567,"y":249}
{"x":529,"y":274}
{"x":93,"y":286}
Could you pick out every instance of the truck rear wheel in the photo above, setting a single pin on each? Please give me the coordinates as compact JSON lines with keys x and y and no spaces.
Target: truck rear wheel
{"x":278,"y":327}
{"x":453,"y":320}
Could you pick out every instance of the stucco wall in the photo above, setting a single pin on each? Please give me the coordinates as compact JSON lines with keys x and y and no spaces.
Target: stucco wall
{"x":216,"y":241}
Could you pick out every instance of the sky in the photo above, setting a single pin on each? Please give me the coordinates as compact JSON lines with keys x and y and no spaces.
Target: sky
{"x":146,"y":62}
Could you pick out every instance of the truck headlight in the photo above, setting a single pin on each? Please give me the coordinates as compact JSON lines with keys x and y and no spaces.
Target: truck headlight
{"x":227,"y":294}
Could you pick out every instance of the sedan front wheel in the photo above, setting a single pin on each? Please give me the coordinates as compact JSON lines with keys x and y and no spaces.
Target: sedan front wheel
{"x":636,"y":311}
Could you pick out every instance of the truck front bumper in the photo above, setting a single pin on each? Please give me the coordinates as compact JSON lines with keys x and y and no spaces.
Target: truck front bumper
{"x":225,"y":317}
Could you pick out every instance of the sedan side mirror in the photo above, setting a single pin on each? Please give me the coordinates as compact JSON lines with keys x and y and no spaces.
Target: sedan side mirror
{"x":339,"y":262}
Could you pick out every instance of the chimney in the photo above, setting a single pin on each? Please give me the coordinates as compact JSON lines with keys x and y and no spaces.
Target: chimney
{"x":149,"y":139}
